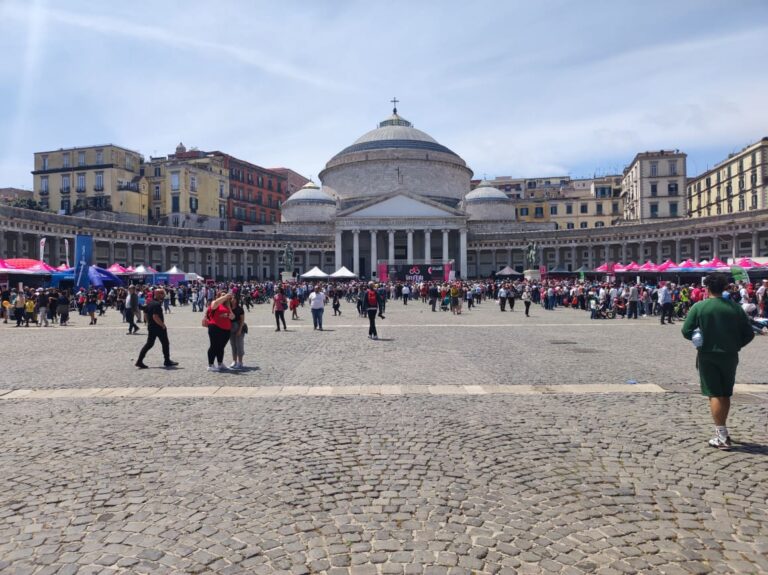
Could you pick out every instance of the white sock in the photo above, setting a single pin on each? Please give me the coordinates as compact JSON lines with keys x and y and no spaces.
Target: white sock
{"x":722,"y":431}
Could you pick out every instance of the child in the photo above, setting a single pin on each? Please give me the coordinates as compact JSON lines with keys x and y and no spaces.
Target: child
{"x":336,"y":303}
{"x":294,"y":305}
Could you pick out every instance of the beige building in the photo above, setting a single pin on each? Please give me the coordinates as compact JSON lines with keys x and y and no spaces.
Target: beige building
{"x":188,"y":189}
{"x":736,"y":184}
{"x":91,"y":179}
{"x":653,"y":185}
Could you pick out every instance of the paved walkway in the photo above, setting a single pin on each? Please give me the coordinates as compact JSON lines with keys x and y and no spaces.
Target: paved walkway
{"x":480,"y":445}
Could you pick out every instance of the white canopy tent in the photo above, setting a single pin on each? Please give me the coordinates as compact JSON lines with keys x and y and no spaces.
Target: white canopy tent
{"x":343,"y":274}
{"x":314,"y":274}
{"x":192,"y":276}
{"x":175,"y":270}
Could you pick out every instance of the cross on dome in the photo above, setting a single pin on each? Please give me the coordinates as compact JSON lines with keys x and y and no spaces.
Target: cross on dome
{"x":394,"y":104}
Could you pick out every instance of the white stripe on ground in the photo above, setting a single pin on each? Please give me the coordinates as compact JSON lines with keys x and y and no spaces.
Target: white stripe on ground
{"x":320,"y":391}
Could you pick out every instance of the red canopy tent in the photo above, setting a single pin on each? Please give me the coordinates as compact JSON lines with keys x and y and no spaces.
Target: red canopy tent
{"x":666,"y":265}
{"x":5,"y":266}
{"x":648,"y":267}
{"x":632,"y":267}
{"x":689,"y":264}
{"x":602,"y":268}
{"x":116,"y":268}
{"x":30,"y":266}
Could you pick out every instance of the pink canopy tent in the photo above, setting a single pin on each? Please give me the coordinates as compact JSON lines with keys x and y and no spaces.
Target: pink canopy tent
{"x":688,"y":264}
{"x":30,"y":266}
{"x":648,"y":267}
{"x":717,"y":263}
{"x":619,"y":268}
{"x":747,"y":263}
{"x":116,"y":268}
{"x":632,"y":267}
{"x":5,"y":266}
{"x":666,"y":265}
{"x":63,"y":268}
{"x":130,"y":269}
{"x":602,"y":268}
{"x":151,"y":270}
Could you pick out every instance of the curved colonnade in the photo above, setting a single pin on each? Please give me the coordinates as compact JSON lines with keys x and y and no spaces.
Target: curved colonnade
{"x":238,"y":255}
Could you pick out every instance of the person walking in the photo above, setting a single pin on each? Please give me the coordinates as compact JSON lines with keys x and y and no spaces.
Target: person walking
{"x":665,"y":301}
{"x":237,"y":334}
{"x":42,"y":308}
{"x":219,"y":315}
{"x":278,"y":308}
{"x":156,"y":329}
{"x":724,"y":329}
{"x":526,"y":297}
{"x":633,"y":298}
{"x":131,"y":303}
{"x":372,"y":308}
{"x":317,"y":305}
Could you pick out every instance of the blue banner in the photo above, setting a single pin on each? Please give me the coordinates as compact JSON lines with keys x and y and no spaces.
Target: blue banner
{"x":83,"y":260}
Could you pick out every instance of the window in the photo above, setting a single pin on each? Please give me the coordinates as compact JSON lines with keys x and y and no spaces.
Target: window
{"x":754,"y":202}
{"x":158,"y":172}
{"x":263,"y":217}
{"x":44,"y":161}
{"x":221,"y":189}
{"x":599,"y":224}
{"x":221,"y":211}
{"x":65,"y":160}
{"x":157,"y":213}
{"x":65,"y":184}
{"x":654,"y":210}
{"x":157,"y":192}
{"x":614,"y":207}
{"x":260,"y":181}
{"x":654,"y":169}
{"x":569,"y":226}
{"x":175,"y":204}
{"x":673,"y":167}
{"x":274,"y":218}
{"x":673,"y":209}
{"x":523,"y":211}
{"x":584,"y":208}
{"x":552,"y":210}
{"x":654,"y":189}
{"x":66,"y":206}
{"x":99,"y":157}
{"x":128,"y":162}
{"x":672,"y":188}
{"x":99,"y":187}
{"x":568,"y":208}
{"x":81,"y":182}
{"x":193,"y":203}
{"x":193,"y":183}
{"x":599,"y":209}
{"x":269,"y":184}
{"x":258,"y":198}
{"x":538,"y":212}
{"x":44,"y":184}
{"x":174,"y":181}
{"x":583,"y":225}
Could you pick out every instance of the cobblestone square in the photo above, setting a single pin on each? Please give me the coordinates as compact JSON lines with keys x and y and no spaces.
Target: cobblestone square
{"x":481,"y":443}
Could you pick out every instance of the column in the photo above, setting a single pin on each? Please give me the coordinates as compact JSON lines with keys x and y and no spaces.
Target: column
{"x":445,"y":246}
{"x":641,"y":253}
{"x":755,"y":244}
{"x":214,"y":263}
{"x":391,"y":254}
{"x":677,"y":251}
{"x":735,"y":247}
{"x":696,"y":249}
{"x":557,"y":256}
{"x":715,"y":247}
{"x":624,"y":259}
{"x":196,"y":263}
{"x":163,"y":258}
{"x":356,"y":251}
{"x":509,"y":257}
{"x":3,"y":249}
{"x":55,"y":250}
{"x":477,"y":262}
{"x":574,"y":263}
{"x":111,"y":257}
{"x":463,"y":252}
{"x":428,"y":246}
{"x":659,"y":246}
{"x":607,"y":249}
{"x":307,"y":267}
{"x":337,"y":247}
{"x":228,"y":275}
{"x":374,"y":253}
{"x":590,"y":259}
{"x":410,"y":246}
{"x":20,"y":245}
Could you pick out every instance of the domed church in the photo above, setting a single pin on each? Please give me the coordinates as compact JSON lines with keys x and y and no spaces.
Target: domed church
{"x":396,"y":198}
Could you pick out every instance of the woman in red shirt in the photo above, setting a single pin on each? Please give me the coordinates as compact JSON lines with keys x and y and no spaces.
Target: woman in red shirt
{"x":279,"y":302}
{"x":220,"y":317}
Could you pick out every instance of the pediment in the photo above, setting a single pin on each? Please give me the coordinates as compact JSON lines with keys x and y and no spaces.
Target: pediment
{"x":400,"y":206}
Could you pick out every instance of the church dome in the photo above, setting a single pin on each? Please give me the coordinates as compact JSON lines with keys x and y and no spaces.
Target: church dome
{"x":396,"y":156}
{"x":308,"y":204}
{"x":485,"y":192}
{"x":310,"y":192}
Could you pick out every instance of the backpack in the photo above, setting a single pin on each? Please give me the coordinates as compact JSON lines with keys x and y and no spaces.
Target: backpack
{"x":372,"y":299}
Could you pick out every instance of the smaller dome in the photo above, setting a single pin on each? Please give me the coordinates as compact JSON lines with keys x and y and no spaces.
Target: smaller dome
{"x":485,"y":192}
{"x":310,"y":192}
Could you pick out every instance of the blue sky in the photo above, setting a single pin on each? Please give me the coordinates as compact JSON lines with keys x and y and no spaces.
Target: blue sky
{"x":534,"y":88}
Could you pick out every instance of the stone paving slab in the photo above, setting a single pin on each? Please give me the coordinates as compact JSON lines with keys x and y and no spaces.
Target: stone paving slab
{"x":484,"y":484}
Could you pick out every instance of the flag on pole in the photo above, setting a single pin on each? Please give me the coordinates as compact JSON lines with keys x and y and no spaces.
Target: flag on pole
{"x":66,"y":249}
{"x":42,"y":248}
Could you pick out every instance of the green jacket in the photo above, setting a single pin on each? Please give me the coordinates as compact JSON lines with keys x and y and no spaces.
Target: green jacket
{"x":723,"y":324}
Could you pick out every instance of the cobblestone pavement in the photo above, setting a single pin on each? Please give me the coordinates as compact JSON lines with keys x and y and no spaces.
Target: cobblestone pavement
{"x":432,"y":483}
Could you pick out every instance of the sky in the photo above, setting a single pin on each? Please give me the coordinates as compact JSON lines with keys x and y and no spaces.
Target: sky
{"x":524,"y":89}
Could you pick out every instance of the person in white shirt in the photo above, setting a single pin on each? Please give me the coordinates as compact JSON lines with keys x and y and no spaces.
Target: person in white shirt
{"x":317,"y":306}
{"x":406,"y":294}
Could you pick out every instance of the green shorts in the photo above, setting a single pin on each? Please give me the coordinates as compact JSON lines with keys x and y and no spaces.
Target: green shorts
{"x":717,"y":373}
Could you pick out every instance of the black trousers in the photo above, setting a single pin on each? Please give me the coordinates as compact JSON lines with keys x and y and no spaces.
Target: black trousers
{"x":666,"y":311}
{"x":527,"y":306}
{"x":372,"y":322}
{"x":280,"y":315}
{"x":129,"y":315}
{"x":152,"y":335}
{"x":511,"y":302}
{"x":218,"y":339}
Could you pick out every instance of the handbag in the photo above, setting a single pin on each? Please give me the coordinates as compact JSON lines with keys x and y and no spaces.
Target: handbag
{"x":206,"y":320}
{"x":245,"y":328}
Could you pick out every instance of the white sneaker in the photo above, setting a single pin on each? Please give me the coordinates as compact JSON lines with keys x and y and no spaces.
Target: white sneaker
{"x":213,"y":368}
{"x":234,"y":365}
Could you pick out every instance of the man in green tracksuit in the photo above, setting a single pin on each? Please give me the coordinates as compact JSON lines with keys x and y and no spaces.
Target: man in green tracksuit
{"x":725,"y":329}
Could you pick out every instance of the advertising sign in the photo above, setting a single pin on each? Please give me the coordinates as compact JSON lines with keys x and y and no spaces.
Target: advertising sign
{"x":83,"y":260}
{"x":414,"y":273}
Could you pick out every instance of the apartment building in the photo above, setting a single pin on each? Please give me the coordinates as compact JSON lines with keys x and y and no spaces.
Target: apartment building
{"x":653,"y":184}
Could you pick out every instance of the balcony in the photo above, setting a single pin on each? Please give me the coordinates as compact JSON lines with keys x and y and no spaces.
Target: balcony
{"x":43,"y":192}
{"x":80,"y":190}
{"x":65,"y":190}
{"x":98,"y":188}
{"x":128,"y":186}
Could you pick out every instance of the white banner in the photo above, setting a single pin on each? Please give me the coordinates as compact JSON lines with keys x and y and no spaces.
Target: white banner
{"x":42,"y":248}
{"x":66,"y":249}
